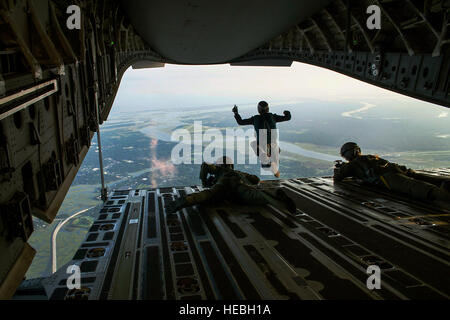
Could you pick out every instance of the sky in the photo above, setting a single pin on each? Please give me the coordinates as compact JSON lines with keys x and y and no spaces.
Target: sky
{"x":180,"y":86}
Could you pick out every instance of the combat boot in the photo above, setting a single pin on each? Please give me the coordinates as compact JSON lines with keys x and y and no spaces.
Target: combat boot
{"x":173,"y":206}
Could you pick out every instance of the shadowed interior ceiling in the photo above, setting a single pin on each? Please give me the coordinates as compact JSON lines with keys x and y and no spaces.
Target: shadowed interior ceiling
{"x":204,"y":32}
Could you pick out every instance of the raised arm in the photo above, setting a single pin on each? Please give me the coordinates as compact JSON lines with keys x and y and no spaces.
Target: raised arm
{"x":286,"y":117}
{"x":239,"y":120}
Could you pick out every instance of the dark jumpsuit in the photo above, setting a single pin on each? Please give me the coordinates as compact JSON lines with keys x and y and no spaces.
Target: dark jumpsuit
{"x":262,"y":121}
{"x":228,"y":184}
{"x":391,"y":176}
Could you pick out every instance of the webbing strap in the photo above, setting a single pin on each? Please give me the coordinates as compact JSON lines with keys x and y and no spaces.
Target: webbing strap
{"x":385,"y":182}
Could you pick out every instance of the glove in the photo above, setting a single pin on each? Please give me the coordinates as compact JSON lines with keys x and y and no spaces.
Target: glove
{"x":210,"y":181}
{"x":337,"y":168}
{"x":286,"y":113}
{"x":173,"y":206}
{"x":235,"y":109}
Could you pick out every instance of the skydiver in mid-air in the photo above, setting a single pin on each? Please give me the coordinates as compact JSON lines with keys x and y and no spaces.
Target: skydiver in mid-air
{"x":268,"y":152}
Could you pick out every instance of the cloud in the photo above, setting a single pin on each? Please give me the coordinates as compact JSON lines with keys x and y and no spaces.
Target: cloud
{"x":179,"y":85}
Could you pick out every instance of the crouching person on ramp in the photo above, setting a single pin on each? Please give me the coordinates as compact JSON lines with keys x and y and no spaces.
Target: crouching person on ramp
{"x":227,"y":184}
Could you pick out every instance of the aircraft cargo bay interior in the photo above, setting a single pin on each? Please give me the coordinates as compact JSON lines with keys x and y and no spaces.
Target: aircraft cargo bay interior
{"x":238,"y":150}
